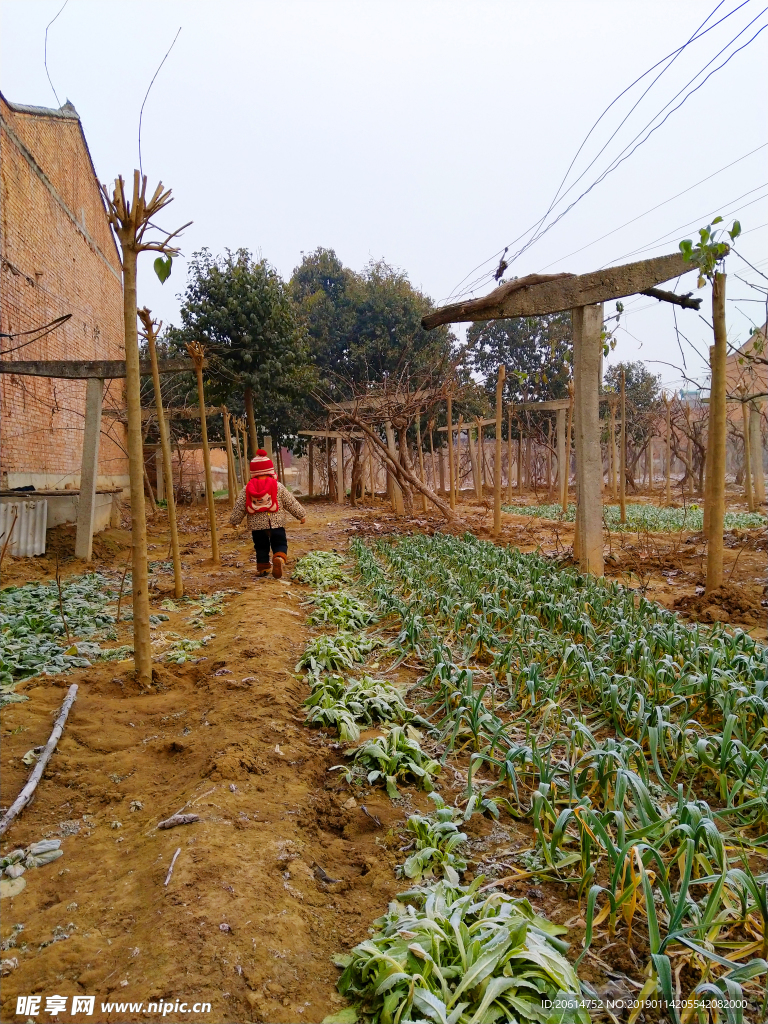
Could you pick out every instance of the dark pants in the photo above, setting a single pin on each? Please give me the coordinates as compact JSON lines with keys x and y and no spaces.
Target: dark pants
{"x":263,"y":538}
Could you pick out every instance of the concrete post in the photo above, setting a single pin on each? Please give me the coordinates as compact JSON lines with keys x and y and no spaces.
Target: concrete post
{"x":89,"y":469}
{"x":561,"y":467}
{"x":756,"y":444}
{"x":340,"y":470}
{"x":587,"y":327}
{"x":160,"y":478}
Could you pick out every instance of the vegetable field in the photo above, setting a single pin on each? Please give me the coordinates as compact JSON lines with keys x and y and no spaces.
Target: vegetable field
{"x":652,"y":518}
{"x":633,"y":745}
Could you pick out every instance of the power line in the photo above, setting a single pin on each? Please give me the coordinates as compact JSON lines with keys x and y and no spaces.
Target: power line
{"x":672,"y":234}
{"x":654,"y":208}
{"x":45,"y":50}
{"x":624,"y":154}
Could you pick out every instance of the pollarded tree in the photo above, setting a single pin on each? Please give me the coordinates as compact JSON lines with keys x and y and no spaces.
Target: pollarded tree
{"x":240,"y":309}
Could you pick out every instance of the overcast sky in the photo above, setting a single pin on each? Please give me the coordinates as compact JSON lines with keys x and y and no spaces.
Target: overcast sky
{"x":430,"y":134}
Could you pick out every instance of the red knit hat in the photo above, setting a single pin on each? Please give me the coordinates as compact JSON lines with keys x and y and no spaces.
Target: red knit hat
{"x":261,"y":463}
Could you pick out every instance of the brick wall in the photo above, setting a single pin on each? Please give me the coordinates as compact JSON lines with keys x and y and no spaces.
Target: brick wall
{"x":58,"y":256}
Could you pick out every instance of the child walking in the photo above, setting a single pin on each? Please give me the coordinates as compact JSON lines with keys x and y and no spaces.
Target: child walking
{"x":266,"y":503}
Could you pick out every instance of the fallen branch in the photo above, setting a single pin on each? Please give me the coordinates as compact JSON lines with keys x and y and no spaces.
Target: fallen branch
{"x":170,"y":869}
{"x":25,"y":795}
{"x":178,"y":819}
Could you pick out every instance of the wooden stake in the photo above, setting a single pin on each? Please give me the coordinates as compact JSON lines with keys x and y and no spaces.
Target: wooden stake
{"x":520,"y":459}
{"x":150,"y":333}
{"x":497,"y":461}
{"x":568,"y":443}
{"x":747,"y":453}
{"x":430,"y":427}
{"x":27,"y":792}
{"x":623,"y":450}
{"x":231,"y":475}
{"x":509,"y":455}
{"x":550,"y":482}
{"x":718,"y":424}
{"x":668,"y":491}
{"x":755,"y":440}
{"x":451,"y":487}
{"x":340,"y":470}
{"x":197,"y":353}
{"x":311,"y":468}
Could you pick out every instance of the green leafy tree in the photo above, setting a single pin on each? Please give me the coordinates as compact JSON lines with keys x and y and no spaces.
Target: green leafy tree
{"x":364,"y":327}
{"x":256,"y":343}
{"x":536,"y":351}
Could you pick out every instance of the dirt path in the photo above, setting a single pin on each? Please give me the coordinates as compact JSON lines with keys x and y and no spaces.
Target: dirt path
{"x":247,"y":922}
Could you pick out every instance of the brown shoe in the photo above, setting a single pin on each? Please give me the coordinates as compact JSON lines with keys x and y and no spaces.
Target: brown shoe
{"x":262,"y":568}
{"x":277,"y":564}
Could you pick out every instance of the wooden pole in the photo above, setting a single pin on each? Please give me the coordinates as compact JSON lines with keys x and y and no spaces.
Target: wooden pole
{"x":424,"y":504}
{"x":430,"y":428}
{"x":197,"y":353}
{"x":231,"y":475}
{"x":451,"y":486}
{"x":755,"y":440}
{"x":561,"y":467}
{"x":649,"y":459}
{"x":718,"y":426}
{"x":340,"y":470}
{"x":509,"y":455}
{"x":550,"y":481}
{"x":623,"y":449}
{"x":668,"y":461}
{"x":747,"y":454}
{"x":568,"y":444}
{"x":311,"y":467}
{"x":497,"y":461}
{"x":165,"y":447}
{"x":587,"y":327}
{"x":520,"y":459}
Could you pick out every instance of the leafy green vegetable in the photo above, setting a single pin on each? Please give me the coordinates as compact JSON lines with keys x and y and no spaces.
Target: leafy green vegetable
{"x":340,"y":650}
{"x":394,"y":757}
{"x":452,"y":954}
{"x":436,"y":837}
{"x":320,"y":569}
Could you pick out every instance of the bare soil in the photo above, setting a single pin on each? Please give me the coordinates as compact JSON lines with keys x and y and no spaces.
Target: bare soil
{"x":284,"y":866}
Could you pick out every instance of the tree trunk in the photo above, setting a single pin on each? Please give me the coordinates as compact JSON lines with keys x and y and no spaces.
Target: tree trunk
{"x":747,"y":460}
{"x":422,"y":474}
{"x":165,"y":445}
{"x":756,"y":442}
{"x":718,"y":425}
{"x":209,"y":496}
{"x":142,"y":650}
{"x":668,"y":466}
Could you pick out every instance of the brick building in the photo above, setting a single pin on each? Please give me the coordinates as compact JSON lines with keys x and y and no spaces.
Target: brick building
{"x":58,"y":256}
